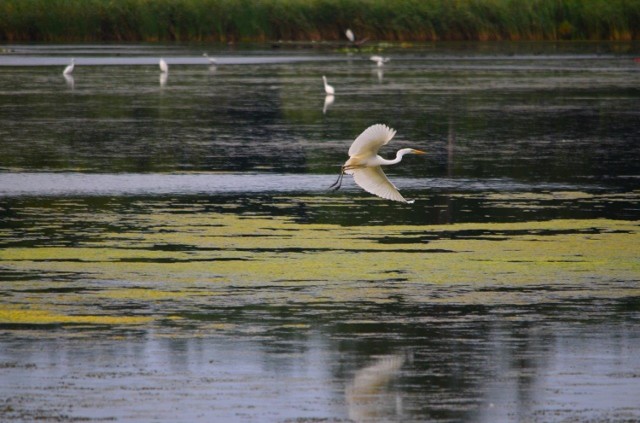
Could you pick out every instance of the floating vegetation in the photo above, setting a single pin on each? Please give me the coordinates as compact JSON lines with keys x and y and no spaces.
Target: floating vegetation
{"x":173,"y":264}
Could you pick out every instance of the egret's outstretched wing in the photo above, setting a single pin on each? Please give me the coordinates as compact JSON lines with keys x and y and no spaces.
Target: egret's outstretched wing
{"x":374,"y":181}
{"x":370,"y":141}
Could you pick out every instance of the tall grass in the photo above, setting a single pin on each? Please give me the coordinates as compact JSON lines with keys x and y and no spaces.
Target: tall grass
{"x":263,"y":20}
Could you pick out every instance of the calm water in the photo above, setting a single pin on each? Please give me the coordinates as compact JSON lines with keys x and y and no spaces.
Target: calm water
{"x":169,"y":249}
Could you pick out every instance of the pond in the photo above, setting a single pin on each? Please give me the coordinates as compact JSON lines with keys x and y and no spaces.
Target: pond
{"x":170,"y":250}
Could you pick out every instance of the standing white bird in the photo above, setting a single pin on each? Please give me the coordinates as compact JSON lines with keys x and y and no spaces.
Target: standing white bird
{"x":212,"y":61}
{"x":349,"y":34}
{"x":164,"y":68}
{"x":365,"y":164}
{"x":380,"y":61}
{"x":327,"y":88}
{"x":69,"y":69}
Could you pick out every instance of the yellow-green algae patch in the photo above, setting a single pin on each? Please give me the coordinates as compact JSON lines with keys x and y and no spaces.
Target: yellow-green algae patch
{"x":40,"y":316}
{"x":189,"y":260}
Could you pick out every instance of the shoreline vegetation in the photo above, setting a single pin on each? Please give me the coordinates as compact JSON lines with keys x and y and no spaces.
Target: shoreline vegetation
{"x":231,"y":21}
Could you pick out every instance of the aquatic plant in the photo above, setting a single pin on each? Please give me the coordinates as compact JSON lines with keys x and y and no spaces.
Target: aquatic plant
{"x":184,"y":261}
{"x":315,"y":20}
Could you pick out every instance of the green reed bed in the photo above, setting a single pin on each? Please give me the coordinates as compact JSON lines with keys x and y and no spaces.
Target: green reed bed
{"x":315,"y":20}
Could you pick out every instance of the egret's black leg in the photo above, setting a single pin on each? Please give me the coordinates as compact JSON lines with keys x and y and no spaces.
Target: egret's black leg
{"x":338,"y":183}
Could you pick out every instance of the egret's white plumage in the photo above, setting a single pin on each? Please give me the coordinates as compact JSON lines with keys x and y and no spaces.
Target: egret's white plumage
{"x":212,"y":61}
{"x":370,"y":140}
{"x":349,"y":34}
{"x":380,"y":61}
{"x":164,"y":68}
{"x":328,"y":89}
{"x":69,"y":69}
{"x":365,"y":164}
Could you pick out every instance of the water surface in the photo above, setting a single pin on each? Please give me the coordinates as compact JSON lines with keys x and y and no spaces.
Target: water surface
{"x":169,"y":249}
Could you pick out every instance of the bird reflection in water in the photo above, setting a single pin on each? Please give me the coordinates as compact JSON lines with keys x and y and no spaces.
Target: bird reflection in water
{"x":71,"y":83}
{"x":328,"y":101}
{"x":368,"y":395}
{"x":163,"y":79}
{"x":380,"y":74}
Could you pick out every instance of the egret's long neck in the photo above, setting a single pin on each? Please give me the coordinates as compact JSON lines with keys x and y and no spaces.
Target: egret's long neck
{"x":398,"y":159}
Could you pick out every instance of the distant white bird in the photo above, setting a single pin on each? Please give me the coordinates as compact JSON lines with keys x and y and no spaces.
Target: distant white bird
{"x":349,"y":35}
{"x":164,"y":68}
{"x":380,"y":61}
{"x":328,"y":89}
{"x":365,"y":164}
{"x":69,"y":69}
{"x":212,"y":61}
{"x":352,"y":38}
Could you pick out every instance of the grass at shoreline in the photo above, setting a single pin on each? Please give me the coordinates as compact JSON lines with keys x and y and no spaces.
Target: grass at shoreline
{"x":315,"y":20}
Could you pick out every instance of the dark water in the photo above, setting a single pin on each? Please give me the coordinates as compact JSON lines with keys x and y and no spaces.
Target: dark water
{"x":169,"y":249}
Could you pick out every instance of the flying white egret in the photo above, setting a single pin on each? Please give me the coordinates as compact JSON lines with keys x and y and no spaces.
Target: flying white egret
{"x":352,"y":38}
{"x":380,"y":61}
{"x":164,"y":68}
{"x":349,"y":35}
{"x":365,"y":164}
{"x":69,"y":69}
{"x":327,"y":88}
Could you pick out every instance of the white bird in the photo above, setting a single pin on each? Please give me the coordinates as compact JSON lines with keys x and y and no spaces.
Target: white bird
{"x":365,"y":164}
{"x":69,"y":69}
{"x":380,"y":61}
{"x":212,"y":61}
{"x":328,"y":89}
{"x":164,"y":68}
{"x":349,"y":34}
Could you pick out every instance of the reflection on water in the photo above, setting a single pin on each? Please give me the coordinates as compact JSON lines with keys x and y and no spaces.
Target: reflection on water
{"x":173,"y":250}
{"x":328,"y":101}
{"x":379,"y":74}
{"x":368,"y":397}
{"x":71,"y":83}
{"x":164,"y":76}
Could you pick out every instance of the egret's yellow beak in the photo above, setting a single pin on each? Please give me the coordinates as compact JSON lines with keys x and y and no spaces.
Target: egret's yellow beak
{"x":418,"y":152}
